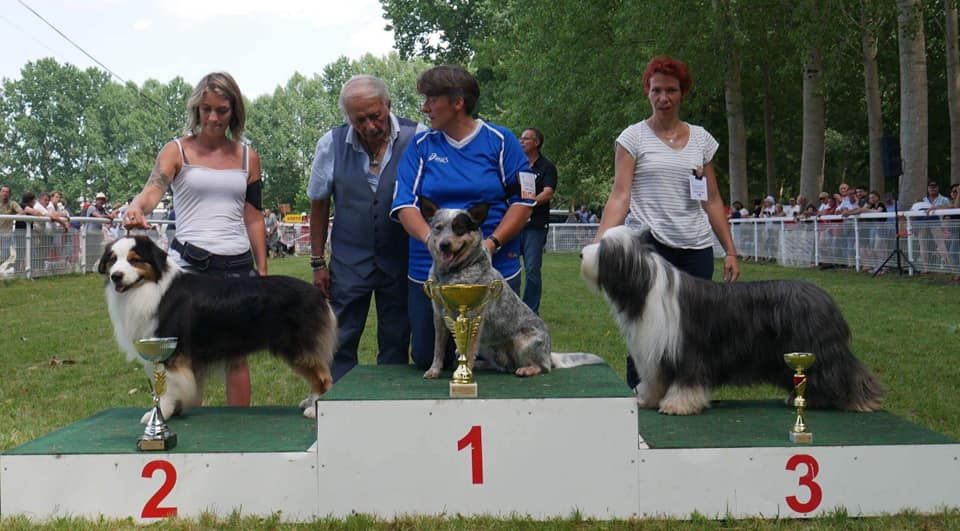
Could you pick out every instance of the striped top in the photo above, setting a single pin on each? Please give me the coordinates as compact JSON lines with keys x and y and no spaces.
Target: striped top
{"x":660,"y":193}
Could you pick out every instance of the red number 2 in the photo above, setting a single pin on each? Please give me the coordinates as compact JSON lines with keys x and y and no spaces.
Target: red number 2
{"x":475,"y":442}
{"x":806,"y":480}
{"x":152,"y":509}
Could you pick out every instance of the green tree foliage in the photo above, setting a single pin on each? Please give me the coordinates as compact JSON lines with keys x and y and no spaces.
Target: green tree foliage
{"x":571,"y":68}
{"x":77,"y":131}
{"x":47,"y":118}
{"x":398,"y":74}
{"x":285,"y":126}
{"x":74,"y":130}
{"x":442,"y":31}
{"x":574,"y":69}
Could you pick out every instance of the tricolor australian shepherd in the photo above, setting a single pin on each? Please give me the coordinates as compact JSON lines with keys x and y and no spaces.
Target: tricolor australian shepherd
{"x":215,"y":320}
{"x":688,"y":335}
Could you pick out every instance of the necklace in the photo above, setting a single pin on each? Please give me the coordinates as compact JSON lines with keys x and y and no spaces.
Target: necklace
{"x":376,"y":157}
{"x":677,"y":133}
{"x":672,"y":139}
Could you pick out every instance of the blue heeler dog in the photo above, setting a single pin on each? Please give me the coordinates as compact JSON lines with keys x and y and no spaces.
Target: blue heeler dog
{"x":512,"y":337}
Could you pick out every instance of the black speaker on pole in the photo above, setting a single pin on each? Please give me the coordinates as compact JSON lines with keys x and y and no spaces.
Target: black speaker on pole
{"x":893,"y":168}
{"x":890,"y":152}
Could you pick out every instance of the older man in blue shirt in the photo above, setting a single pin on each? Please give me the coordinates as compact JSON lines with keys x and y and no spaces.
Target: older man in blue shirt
{"x":355,"y":165}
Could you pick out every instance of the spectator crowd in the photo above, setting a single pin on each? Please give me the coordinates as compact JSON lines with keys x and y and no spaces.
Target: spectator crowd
{"x":846,"y":201}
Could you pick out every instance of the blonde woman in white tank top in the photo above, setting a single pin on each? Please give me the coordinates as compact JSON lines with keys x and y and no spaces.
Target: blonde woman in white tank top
{"x":214,"y":174}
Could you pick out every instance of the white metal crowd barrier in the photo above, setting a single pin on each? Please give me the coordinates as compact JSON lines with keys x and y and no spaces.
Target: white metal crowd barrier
{"x":931,"y":243}
{"x":44,"y":248}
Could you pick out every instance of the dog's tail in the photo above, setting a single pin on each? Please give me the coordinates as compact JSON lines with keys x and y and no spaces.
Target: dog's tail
{"x":7,"y":266}
{"x":866,"y":393}
{"x":567,"y":360}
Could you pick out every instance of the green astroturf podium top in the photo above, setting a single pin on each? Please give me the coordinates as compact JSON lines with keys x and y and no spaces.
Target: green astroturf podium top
{"x":285,"y":429}
{"x":202,"y":430}
{"x":406,"y":382}
{"x":728,"y":424}
{"x":756,"y":423}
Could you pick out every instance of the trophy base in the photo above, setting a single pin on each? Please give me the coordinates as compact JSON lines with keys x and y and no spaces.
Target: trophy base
{"x":463,"y":390}
{"x":153,"y":445}
{"x":802,"y":437}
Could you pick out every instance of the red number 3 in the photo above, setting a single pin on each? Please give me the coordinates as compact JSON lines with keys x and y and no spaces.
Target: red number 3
{"x":806,"y":480}
{"x":152,"y":509}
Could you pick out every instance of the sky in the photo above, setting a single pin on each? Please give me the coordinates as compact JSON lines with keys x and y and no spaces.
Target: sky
{"x":260,"y":42}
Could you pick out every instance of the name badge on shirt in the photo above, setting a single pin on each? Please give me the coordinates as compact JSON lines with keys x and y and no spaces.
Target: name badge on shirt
{"x":528,"y":185}
{"x":698,"y":186}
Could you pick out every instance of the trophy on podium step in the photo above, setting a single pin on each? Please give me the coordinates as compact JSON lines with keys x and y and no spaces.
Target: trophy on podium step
{"x":462,"y":306}
{"x":800,"y":361}
{"x":156,"y":435}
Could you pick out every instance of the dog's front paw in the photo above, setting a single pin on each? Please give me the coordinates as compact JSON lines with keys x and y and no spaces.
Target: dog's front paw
{"x":167,"y":410}
{"x":309,"y":405}
{"x":309,"y":401}
{"x":432,"y":373}
{"x":673,"y":409}
{"x":684,"y":401}
{"x":645,"y":404}
{"x":532,"y":370}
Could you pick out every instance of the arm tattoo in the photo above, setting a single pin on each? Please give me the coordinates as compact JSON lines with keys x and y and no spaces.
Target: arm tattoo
{"x":158,"y":179}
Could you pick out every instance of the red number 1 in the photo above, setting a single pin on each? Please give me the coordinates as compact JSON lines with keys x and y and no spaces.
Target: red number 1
{"x":475,"y":442}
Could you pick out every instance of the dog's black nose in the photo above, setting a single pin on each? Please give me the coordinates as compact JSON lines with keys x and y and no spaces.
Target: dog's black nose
{"x":444,"y":246}
{"x":116,"y":277}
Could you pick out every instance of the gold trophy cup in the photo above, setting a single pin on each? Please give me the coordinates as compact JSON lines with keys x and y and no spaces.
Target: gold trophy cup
{"x":465,"y":302}
{"x":800,"y":361}
{"x":156,"y":435}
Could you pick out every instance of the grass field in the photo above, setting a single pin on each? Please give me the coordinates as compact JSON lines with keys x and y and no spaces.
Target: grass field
{"x":60,"y":364}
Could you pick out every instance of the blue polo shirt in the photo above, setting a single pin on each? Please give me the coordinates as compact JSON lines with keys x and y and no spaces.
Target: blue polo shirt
{"x":482,"y":168}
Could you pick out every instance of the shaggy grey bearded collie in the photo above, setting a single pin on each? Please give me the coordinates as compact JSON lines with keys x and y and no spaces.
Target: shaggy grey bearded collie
{"x":688,"y":335}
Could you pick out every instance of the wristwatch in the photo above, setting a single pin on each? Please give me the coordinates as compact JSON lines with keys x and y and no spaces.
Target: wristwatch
{"x":496,"y":243}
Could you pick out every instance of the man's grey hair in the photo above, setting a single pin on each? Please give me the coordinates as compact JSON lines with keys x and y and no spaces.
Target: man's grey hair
{"x":363,"y":85}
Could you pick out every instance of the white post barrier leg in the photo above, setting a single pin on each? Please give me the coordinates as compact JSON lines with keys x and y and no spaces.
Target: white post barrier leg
{"x":28,"y":247}
{"x":856,"y":245}
{"x":910,"y":245}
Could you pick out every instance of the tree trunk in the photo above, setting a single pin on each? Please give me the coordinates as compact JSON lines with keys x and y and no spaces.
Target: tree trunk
{"x":953,"y":87}
{"x":814,"y":127}
{"x":733,"y":96}
{"x":768,"y":141}
{"x":871,"y":80}
{"x":913,"y":100}
{"x":737,"y":150}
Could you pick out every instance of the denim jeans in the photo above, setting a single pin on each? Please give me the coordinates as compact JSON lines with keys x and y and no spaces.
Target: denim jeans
{"x":420,"y":309}
{"x":533,"y":241}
